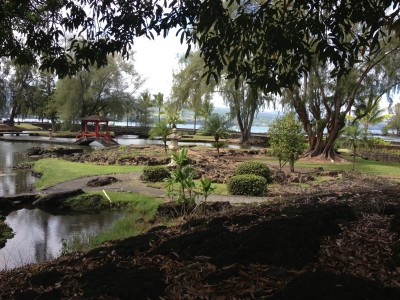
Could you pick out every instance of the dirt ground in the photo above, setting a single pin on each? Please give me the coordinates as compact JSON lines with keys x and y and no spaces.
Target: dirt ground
{"x":333,"y":239}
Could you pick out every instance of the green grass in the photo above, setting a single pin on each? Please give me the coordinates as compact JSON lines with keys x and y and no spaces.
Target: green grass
{"x":27,"y":126}
{"x":57,"y":170}
{"x":139,"y":209}
{"x":361,"y":165}
{"x":388,"y":169}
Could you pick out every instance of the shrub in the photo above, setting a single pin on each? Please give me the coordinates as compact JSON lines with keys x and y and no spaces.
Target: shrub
{"x":254,"y":167}
{"x":247,"y":185}
{"x":154,"y":173}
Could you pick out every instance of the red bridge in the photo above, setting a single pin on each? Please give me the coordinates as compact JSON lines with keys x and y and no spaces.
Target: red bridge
{"x":95,"y":129}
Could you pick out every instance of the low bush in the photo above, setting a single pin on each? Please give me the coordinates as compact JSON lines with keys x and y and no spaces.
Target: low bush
{"x":248,"y":185}
{"x":154,"y":173}
{"x":255,"y":168}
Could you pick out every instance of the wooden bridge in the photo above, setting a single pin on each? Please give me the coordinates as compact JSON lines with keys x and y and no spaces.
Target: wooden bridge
{"x":86,"y":140}
{"x":100,"y":135}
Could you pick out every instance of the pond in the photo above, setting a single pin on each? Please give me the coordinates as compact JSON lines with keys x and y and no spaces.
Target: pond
{"x":38,"y":235}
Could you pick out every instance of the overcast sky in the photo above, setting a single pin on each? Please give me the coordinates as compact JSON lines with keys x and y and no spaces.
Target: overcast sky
{"x":157,"y":59}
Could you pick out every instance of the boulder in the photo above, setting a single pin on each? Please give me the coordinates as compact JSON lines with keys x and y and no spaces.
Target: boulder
{"x":101,"y":181}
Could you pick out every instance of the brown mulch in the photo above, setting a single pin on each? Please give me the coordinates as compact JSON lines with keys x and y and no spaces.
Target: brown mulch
{"x":314,"y":247}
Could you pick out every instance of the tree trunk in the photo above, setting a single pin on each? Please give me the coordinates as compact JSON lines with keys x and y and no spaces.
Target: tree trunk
{"x":13,"y":114}
{"x":245,"y":135}
{"x":291,"y":165}
{"x":53,"y":124}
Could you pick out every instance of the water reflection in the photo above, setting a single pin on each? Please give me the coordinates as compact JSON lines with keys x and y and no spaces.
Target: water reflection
{"x":38,"y":234}
{"x":17,"y":181}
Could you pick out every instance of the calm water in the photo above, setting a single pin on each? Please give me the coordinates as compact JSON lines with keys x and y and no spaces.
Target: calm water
{"x":38,"y":234}
{"x":15,"y":181}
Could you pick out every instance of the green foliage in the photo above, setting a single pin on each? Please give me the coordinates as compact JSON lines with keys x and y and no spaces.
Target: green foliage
{"x":159,"y":101}
{"x":189,"y":86}
{"x":5,"y":232}
{"x":287,"y":141}
{"x":353,"y":137}
{"x":368,"y":112}
{"x":248,"y":185}
{"x":394,"y":121}
{"x":254,"y":167}
{"x":245,"y":101}
{"x":180,"y":184}
{"x":218,"y":145}
{"x":377,"y":141}
{"x":227,"y":37}
{"x":144,"y":103}
{"x":161,"y":129}
{"x":218,"y":126}
{"x":154,"y":173}
{"x":98,"y":91}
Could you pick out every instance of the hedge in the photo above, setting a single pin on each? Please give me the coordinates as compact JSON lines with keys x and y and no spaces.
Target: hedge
{"x":248,"y":185}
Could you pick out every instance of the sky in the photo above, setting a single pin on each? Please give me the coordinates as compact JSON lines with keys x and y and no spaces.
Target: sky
{"x":157,"y":59}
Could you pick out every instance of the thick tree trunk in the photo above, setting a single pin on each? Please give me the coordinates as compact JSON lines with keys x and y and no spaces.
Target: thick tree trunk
{"x":13,"y":114}
{"x":53,"y":125}
{"x":245,"y":135}
{"x":291,"y":166}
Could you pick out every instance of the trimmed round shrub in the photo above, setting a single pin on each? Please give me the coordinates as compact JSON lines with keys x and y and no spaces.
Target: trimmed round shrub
{"x":154,"y":173}
{"x":254,"y":167}
{"x":248,"y":185}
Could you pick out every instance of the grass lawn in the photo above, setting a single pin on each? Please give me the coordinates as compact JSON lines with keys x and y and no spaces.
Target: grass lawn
{"x":58,"y":170}
{"x":27,"y":126}
{"x":388,"y":169}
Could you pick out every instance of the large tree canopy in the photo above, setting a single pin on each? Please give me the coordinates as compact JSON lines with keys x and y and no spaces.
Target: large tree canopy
{"x":265,"y":42}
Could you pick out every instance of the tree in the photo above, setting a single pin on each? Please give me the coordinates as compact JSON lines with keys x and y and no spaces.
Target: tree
{"x":99,"y":91}
{"x":22,"y":90}
{"x":144,"y":103}
{"x":369,"y":113}
{"x":244,"y":102}
{"x":189,"y":87}
{"x":353,"y":137}
{"x":286,"y":139}
{"x":207,"y":110}
{"x":159,"y":101}
{"x":227,"y":34}
{"x":217,"y":126}
{"x":322,"y":102}
{"x":161,"y":129}
{"x":173,"y":113}
{"x":45,"y":99}
{"x":394,"y":121}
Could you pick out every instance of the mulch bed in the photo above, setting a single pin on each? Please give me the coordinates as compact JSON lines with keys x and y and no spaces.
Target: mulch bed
{"x":312,"y":247}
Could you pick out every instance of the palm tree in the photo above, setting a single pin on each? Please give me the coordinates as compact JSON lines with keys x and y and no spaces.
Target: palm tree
{"x":159,"y":101}
{"x":218,"y":126}
{"x":369,"y":113}
{"x":173,"y":112}
{"x":161,"y":130}
{"x":143,"y":105}
{"x":353,"y":137}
